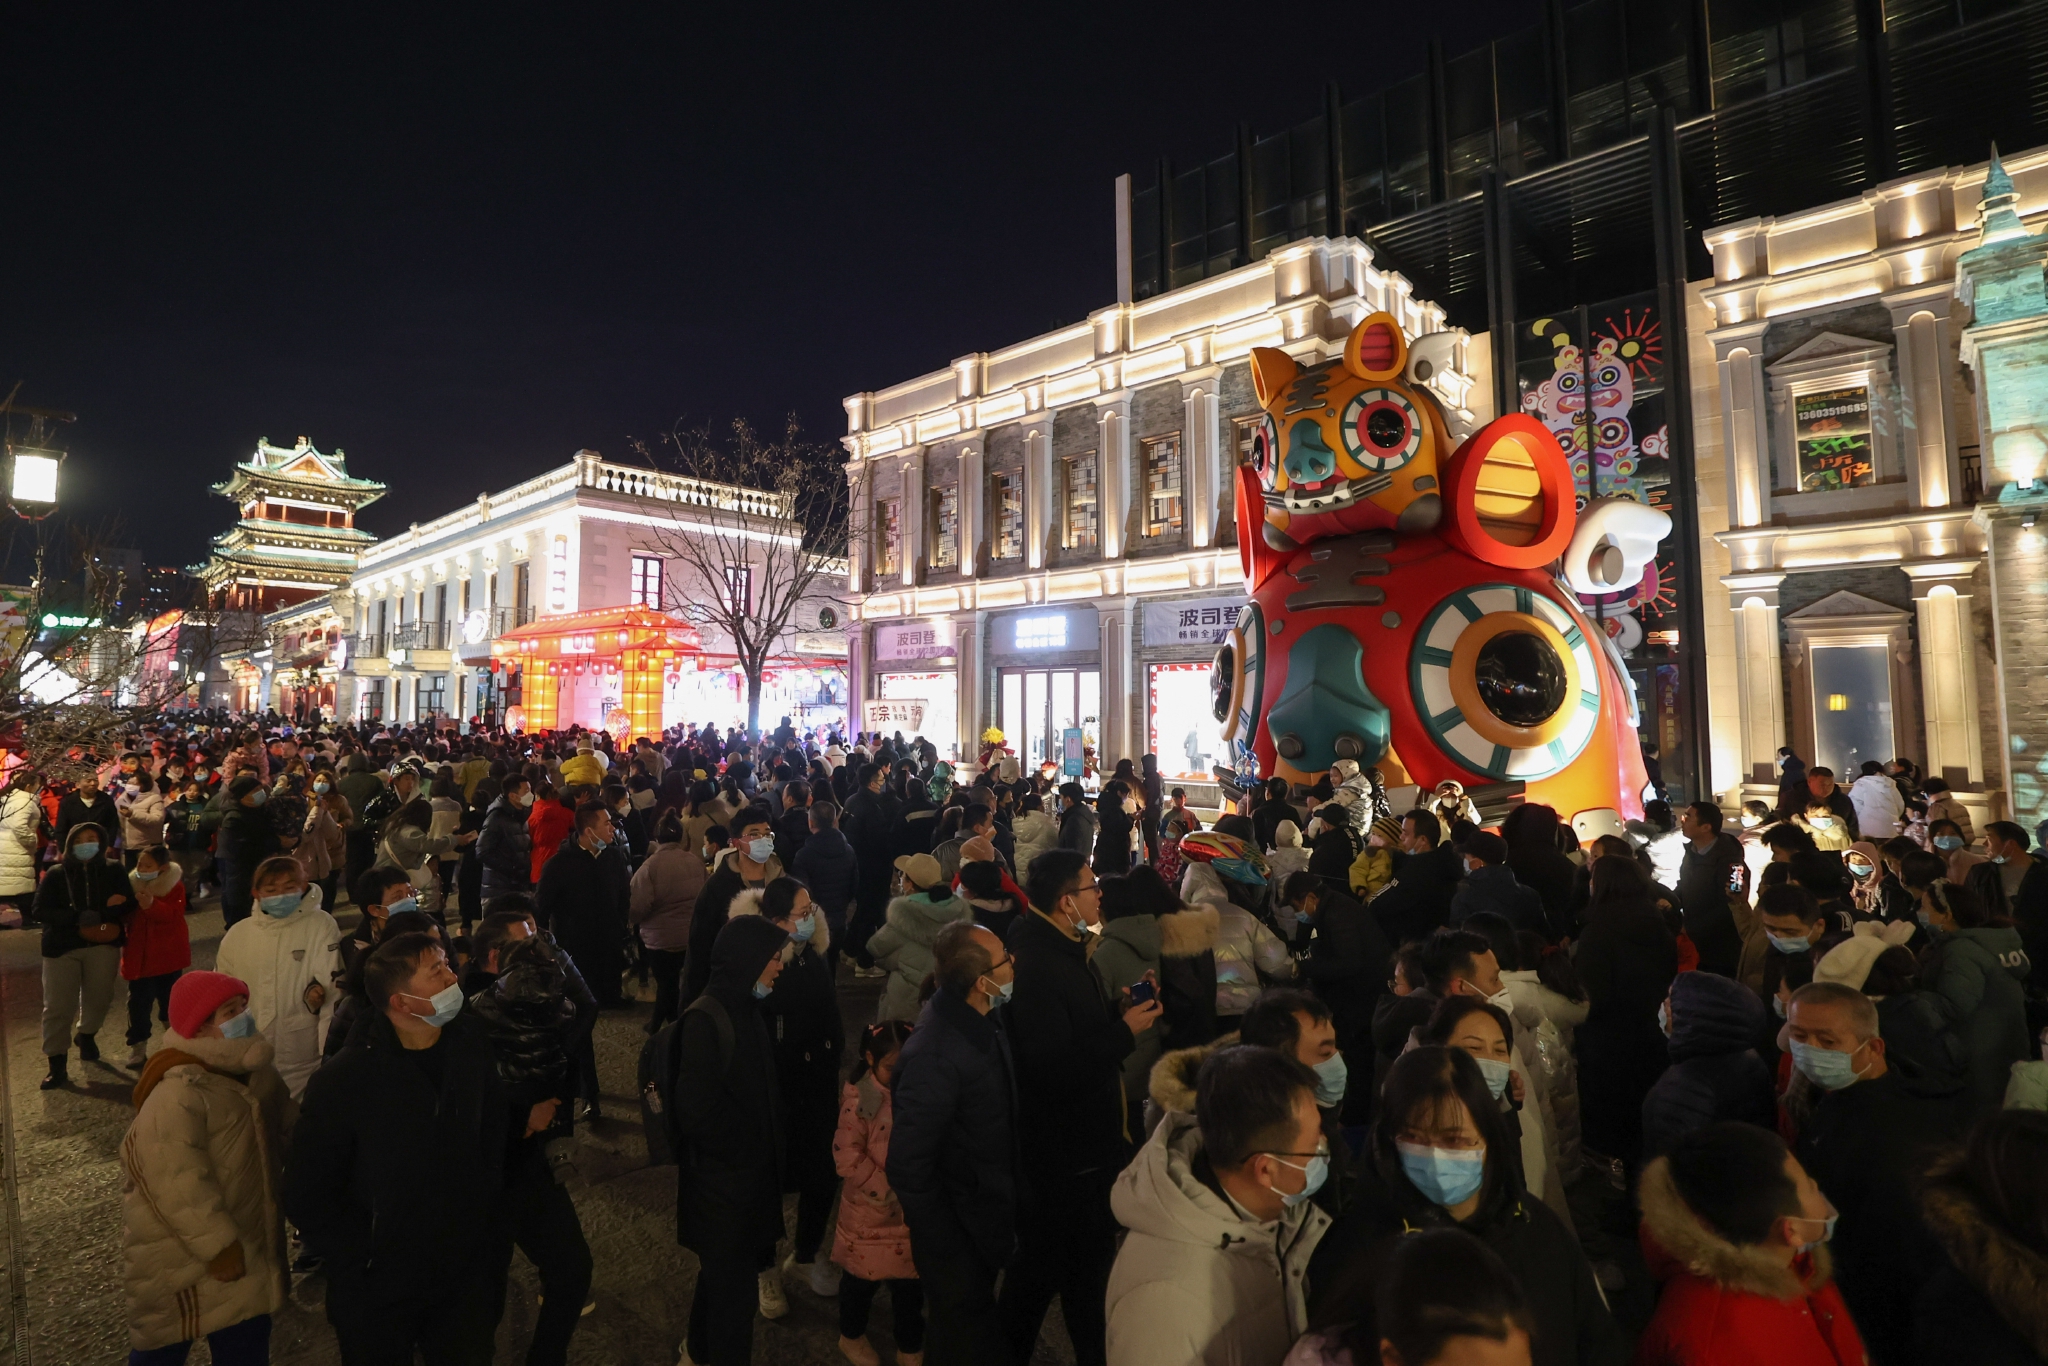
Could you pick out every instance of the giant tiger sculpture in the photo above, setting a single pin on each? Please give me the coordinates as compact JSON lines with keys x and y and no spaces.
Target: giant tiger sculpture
{"x":1418,"y":608}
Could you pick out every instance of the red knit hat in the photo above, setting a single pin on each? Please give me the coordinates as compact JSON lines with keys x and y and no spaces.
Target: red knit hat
{"x":196,"y":995}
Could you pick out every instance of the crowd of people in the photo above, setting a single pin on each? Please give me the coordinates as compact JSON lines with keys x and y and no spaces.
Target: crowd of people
{"x":1324,"y":1079}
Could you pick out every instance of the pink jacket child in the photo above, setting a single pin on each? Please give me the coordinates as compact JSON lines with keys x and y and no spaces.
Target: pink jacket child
{"x":873,"y":1242}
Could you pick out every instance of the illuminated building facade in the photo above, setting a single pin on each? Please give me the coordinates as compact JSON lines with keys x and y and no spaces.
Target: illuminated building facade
{"x":296,"y":536}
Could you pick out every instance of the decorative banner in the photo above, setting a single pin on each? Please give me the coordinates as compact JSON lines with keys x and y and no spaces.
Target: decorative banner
{"x":1831,"y":429}
{"x":1195,"y":621}
{"x":895,"y":713}
{"x":1072,"y":758}
{"x":926,"y":639}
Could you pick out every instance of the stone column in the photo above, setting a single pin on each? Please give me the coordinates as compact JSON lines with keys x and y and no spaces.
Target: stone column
{"x":1759,"y":658}
{"x":1920,"y":321}
{"x":967,"y":500}
{"x":1038,"y":499}
{"x":1943,"y":596}
{"x":860,"y":503}
{"x":1745,"y":422}
{"x":1204,"y":468}
{"x":1114,"y":619}
{"x":912,"y":494}
{"x":1113,"y":474}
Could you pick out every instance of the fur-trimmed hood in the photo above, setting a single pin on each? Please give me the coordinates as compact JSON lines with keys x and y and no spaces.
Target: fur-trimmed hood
{"x":230,"y":1057}
{"x":748,"y":902}
{"x":1190,"y":933}
{"x":2013,"y":1277}
{"x":1694,"y":1247}
{"x":1172,"y":1085}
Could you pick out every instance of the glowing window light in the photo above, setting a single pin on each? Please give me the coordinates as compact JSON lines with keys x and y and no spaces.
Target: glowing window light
{"x":1838,"y":701}
{"x":1042,"y":633}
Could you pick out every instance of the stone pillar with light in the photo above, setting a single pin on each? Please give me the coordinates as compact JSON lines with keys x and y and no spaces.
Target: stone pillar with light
{"x":2006,"y":344}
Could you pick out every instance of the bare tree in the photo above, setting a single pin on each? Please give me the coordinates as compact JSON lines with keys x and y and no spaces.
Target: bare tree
{"x":766,"y":532}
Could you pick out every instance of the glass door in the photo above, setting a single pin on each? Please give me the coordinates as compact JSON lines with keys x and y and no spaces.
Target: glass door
{"x":1040,"y":705}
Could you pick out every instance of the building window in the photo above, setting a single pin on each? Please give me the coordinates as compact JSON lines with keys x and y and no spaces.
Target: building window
{"x":430,"y":695}
{"x":465,"y":597}
{"x":1247,"y":431}
{"x":1006,"y":495}
{"x":739,"y":588}
{"x":1831,"y":438}
{"x":373,"y":700}
{"x":1081,"y":508}
{"x":646,"y":590}
{"x":1162,"y":486}
{"x":558,"y":575}
{"x":522,"y":589}
{"x":946,"y":527}
{"x":889,"y":536}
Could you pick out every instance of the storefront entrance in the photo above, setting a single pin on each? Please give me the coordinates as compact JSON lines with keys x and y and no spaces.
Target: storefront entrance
{"x":1039,"y":705}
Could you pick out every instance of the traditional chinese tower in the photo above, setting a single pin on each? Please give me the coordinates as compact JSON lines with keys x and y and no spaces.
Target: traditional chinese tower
{"x":296,"y":536}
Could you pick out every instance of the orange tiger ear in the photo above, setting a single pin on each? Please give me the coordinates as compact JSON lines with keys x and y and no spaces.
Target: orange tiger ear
{"x":1376,"y":350}
{"x":1272,"y":372}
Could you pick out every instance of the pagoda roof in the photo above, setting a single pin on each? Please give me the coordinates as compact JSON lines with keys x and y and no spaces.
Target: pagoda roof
{"x":300,"y":468}
{"x":262,"y":530}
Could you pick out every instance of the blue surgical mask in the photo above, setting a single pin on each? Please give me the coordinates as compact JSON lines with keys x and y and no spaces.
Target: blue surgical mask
{"x":1318,"y":1169}
{"x":280,"y":905}
{"x":1496,"y":1074}
{"x":761,"y":850}
{"x":1948,"y":843}
{"x":1000,"y":995}
{"x":258,"y":797}
{"x":1821,"y":822}
{"x":447,"y":1002}
{"x":1827,"y":1234}
{"x":805,"y":928}
{"x":241,"y":1027}
{"x":400,"y":907}
{"x":1999,"y":859}
{"x":761,"y":990}
{"x":1824,"y":1067}
{"x":1331,"y":1076}
{"x":1784,"y":945}
{"x":86,"y":850}
{"x":1445,"y":1176}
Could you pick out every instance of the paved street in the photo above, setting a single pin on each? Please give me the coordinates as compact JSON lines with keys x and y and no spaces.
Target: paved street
{"x":67,"y":1262}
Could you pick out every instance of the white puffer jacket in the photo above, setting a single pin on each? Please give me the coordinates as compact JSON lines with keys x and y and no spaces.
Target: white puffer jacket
{"x":279,"y":959}
{"x":142,"y":818}
{"x":200,"y":1169}
{"x":19,"y":814}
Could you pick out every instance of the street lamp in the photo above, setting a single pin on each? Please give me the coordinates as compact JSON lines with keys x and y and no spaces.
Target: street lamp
{"x":32,"y":481}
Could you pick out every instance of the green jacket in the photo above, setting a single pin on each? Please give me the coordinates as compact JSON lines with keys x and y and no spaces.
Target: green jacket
{"x":1978,"y":973}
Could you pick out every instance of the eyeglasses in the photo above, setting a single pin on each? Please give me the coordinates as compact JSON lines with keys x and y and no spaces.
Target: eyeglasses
{"x":1006,"y":960}
{"x":1322,"y":1151}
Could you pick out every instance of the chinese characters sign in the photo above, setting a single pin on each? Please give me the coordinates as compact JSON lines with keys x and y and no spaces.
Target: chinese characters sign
{"x":1831,"y":429}
{"x":895,"y":713}
{"x":925,"y":639}
{"x":1201,"y":621}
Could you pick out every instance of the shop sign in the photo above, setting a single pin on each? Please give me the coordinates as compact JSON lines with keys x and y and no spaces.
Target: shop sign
{"x":927,"y":639}
{"x":894,"y":713}
{"x":818,"y":643}
{"x":1192,"y":621}
{"x":1073,"y":758}
{"x":1831,"y":428}
{"x":1047,"y":630}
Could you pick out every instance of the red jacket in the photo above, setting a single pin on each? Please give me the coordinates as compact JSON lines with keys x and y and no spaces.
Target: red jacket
{"x":548,"y":824}
{"x":1728,"y":1303}
{"x":157,"y":941}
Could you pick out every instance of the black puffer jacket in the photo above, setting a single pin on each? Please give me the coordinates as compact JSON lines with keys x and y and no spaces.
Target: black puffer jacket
{"x":527,"y":1014}
{"x":504,"y":848}
{"x":1715,"y":1074}
{"x":74,"y":894}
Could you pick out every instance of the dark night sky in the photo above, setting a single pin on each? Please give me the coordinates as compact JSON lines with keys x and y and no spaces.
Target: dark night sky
{"x":460,"y":244}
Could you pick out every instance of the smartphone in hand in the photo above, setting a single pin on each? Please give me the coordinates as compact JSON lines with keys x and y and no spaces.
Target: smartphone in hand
{"x":1141,"y":992}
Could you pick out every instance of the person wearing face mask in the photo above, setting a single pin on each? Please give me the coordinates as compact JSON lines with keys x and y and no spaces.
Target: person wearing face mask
{"x":157,"y":946}
{"x":1878,"y":803}
{"x":1220,"y":1219}
{"x":747,"y":862}
{"x":289,"y":953}
{"x":1869,"y":1139}
{"x":1738,"y":1233}
{"x":1713,"y":1024}
{"x":2013,"y":885}
{"x":731,"y":1156}
{"x":80,"y":905}
{"x":246,"y":839}
{"x":141,"y":806}
{"x":505,"y":843}
{"x":201,"y":1226}
{"x":1291,"y":1021}
{"x":1346,"y":962}
{"x":1830,"y":829}
{"x":904,"y":945}
{"x":1976,"y":962}
{"x":1485,"y":1029}
{"x":1440,"y":1155}
{"x":396,"y":1175}
{"x":583,"y":899}
{"x":809,"y":1042}
{"x":323,"y":844}
{"x":86,"y":804}
{"x":1490,"y":885}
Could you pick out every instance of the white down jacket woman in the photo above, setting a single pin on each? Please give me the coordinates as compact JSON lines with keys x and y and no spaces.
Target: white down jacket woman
{"x":200,"y":1169}
{"x":279,"y":959}
{"x":1249,"y":956}
{"x":19,"y":815}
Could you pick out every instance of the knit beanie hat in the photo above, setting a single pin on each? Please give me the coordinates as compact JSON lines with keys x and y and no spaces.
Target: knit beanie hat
{"x":196,"y":995}
{"x":1388,"y":829}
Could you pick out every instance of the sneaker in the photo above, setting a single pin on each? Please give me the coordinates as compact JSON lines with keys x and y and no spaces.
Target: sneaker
{"x":859,"y":1351}
{"x":824,"y":1278}
{"x":138,"y":1055}
{"x":88,"y":1048}
{"x":59,"y":1073}
{"x":774,"y":1304}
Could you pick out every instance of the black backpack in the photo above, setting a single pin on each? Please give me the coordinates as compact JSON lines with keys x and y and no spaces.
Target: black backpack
{"x":659,"y":1061}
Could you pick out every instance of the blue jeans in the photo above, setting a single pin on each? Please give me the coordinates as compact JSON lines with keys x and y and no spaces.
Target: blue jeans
{"x":239,"y":1344}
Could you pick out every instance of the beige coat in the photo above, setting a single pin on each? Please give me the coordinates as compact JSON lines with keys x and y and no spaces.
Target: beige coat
{"x":200,"y":1169}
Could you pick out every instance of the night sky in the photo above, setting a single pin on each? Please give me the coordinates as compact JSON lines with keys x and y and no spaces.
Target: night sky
{"x":461,"y":244}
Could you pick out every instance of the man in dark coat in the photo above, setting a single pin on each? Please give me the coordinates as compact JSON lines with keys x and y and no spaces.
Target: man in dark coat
{"x":1426,"y":877}
{"x":828,"y":866}
{"x":582,"y":899}
{"x":1070,"y":1047}
{"x":953,"y":1158}
{"x":1711,"y":856}
{"x":793,"y":826}
{"x":246,"y":839}
{"x":504,"y":846}
{"x":2014,"y":885}
{"x":1347,"y":963}
{"x":1490,"y":885}
{"x":88,"y":804}
{"x":410,"y":1246}
{"x":737,"y":872}
{"x":871,"y":829}
{"x":1874,"y":1134}
{"x":728,"y":1116}
{"x":1715,"y":1073}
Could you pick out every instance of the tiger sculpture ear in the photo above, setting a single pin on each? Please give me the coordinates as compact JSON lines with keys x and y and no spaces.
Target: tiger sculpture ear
{"x":1272,"y":372}
{"x":1375,"y":350}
